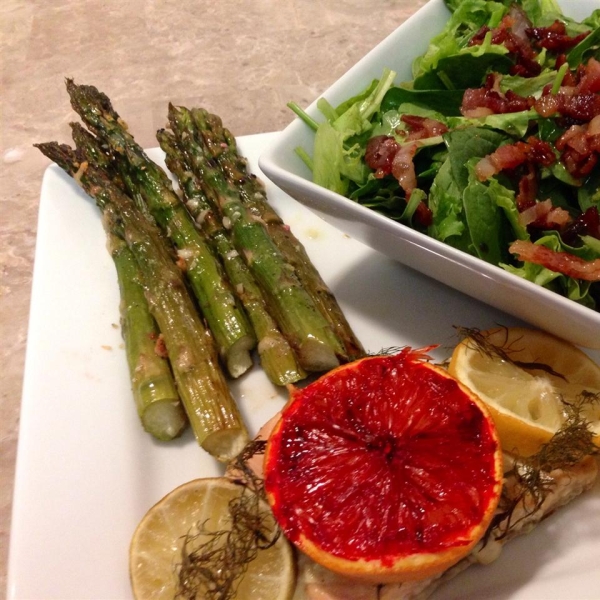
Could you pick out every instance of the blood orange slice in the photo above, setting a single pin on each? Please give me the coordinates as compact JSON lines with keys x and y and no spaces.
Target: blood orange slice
{"x":386,"y":469}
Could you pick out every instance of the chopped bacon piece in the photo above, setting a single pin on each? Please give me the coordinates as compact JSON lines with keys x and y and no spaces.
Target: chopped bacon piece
{"x":578,"y":165}
{"x":422,"y":127}
{"x":555,"y":38}
{"x":560,"y":262}
{"x":519,"y":24}
{"x":485,"y":169}
{"x":540,"y":152}
{"x":526,"y":67}
{"x":511,"y":32}
{"x":386,"y":156}
{"x":594,"y":127}
{"x":487,"y":100}
{"x":580,"y":148}
{"x":479,"y":36}
{"x":589,"y":82}
{"x":582,"y":107}
{"x":511,"y":156}
{"x":423,"y":215}
{"x":381,"y":150}
{"x":403,"y":168}
{"x":579,"y":99}
{"x":547,"y":105}
{"x":528,"y":187}
{"x":380,"y":153}
{"x":574,"y":137}
{"x":542,"y":215}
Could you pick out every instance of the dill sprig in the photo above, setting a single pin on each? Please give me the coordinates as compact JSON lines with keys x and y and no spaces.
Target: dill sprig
{"x":571,"y":443}
{"x":213,"y":562}
{"x":478,"y":340}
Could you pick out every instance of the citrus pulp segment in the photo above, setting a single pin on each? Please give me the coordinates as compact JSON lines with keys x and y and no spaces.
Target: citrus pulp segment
{"x":156,"y":547}
{"x":385,"y":469}
{"x":524,"y":376}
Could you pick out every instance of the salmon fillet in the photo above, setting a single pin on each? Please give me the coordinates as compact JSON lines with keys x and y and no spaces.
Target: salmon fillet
{"x":317,"y":583}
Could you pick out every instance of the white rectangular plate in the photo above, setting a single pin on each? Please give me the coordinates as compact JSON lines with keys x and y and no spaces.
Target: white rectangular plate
{"x":484,"y":281}
{"x":87,"y":473}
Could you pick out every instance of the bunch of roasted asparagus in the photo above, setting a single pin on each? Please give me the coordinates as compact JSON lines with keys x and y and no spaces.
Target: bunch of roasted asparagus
{"x":206,"y":275}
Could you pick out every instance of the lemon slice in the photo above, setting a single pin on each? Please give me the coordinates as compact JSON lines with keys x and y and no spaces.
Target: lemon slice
{"x":155,"y":550}
{"x":524,"y":381}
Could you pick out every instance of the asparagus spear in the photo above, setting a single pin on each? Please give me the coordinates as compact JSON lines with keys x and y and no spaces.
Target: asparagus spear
{"x":154,"y":391}
{"x":211,"y":410}
{"x":276,"y":355}
{"x":303,"y":325}
{"x":225,"y":317}
{"x":222,"y":147}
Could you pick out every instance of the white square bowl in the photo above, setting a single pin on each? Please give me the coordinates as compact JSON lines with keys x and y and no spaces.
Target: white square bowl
{"x":540,"y":307}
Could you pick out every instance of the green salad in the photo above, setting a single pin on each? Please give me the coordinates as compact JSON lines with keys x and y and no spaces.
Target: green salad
{"x":493,"y":147}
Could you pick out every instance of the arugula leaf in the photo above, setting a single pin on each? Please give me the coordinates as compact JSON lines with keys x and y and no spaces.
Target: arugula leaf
{"x":355,"y":118}
{"x":589,"y":193}
{"x":344,"y":106}
{"x":445,"y":102}
{"x":527,"y":86}
{"x":505,"y":199}
{"x":452,"y":5}
{"x":466,"y":19}
{"x":593,"y":20}
{"x":549,"y":130}
{"x":328,"y":111}
{"x":381,"y":195}
{"x":465,"y":144}
{"x":416,"y":197}
{"x":391,"y":121}
{"x":462,"y":71}
{"x":559,"y":193}
{"x":588,"y":47}
{"x":592,"y":244}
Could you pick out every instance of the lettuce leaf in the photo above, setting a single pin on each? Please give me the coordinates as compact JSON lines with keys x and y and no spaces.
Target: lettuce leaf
{"x":514,"y":124}
{"x":466,"y":19}
{"x":336,"y":162}
{"x":445,"y":201}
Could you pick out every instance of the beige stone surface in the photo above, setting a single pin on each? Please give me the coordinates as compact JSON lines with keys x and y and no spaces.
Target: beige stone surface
{"x":242,"y":59}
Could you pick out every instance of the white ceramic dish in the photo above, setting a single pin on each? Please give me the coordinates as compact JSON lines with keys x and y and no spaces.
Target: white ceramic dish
{"x":87,"y":473}
{"x":475,"y":277}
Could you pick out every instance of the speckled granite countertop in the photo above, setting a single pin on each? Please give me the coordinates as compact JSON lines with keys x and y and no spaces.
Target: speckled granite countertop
{"x":243,"y":60}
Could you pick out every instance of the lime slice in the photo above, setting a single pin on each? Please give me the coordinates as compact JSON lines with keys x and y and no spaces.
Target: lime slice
{"x":156,"y":547}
